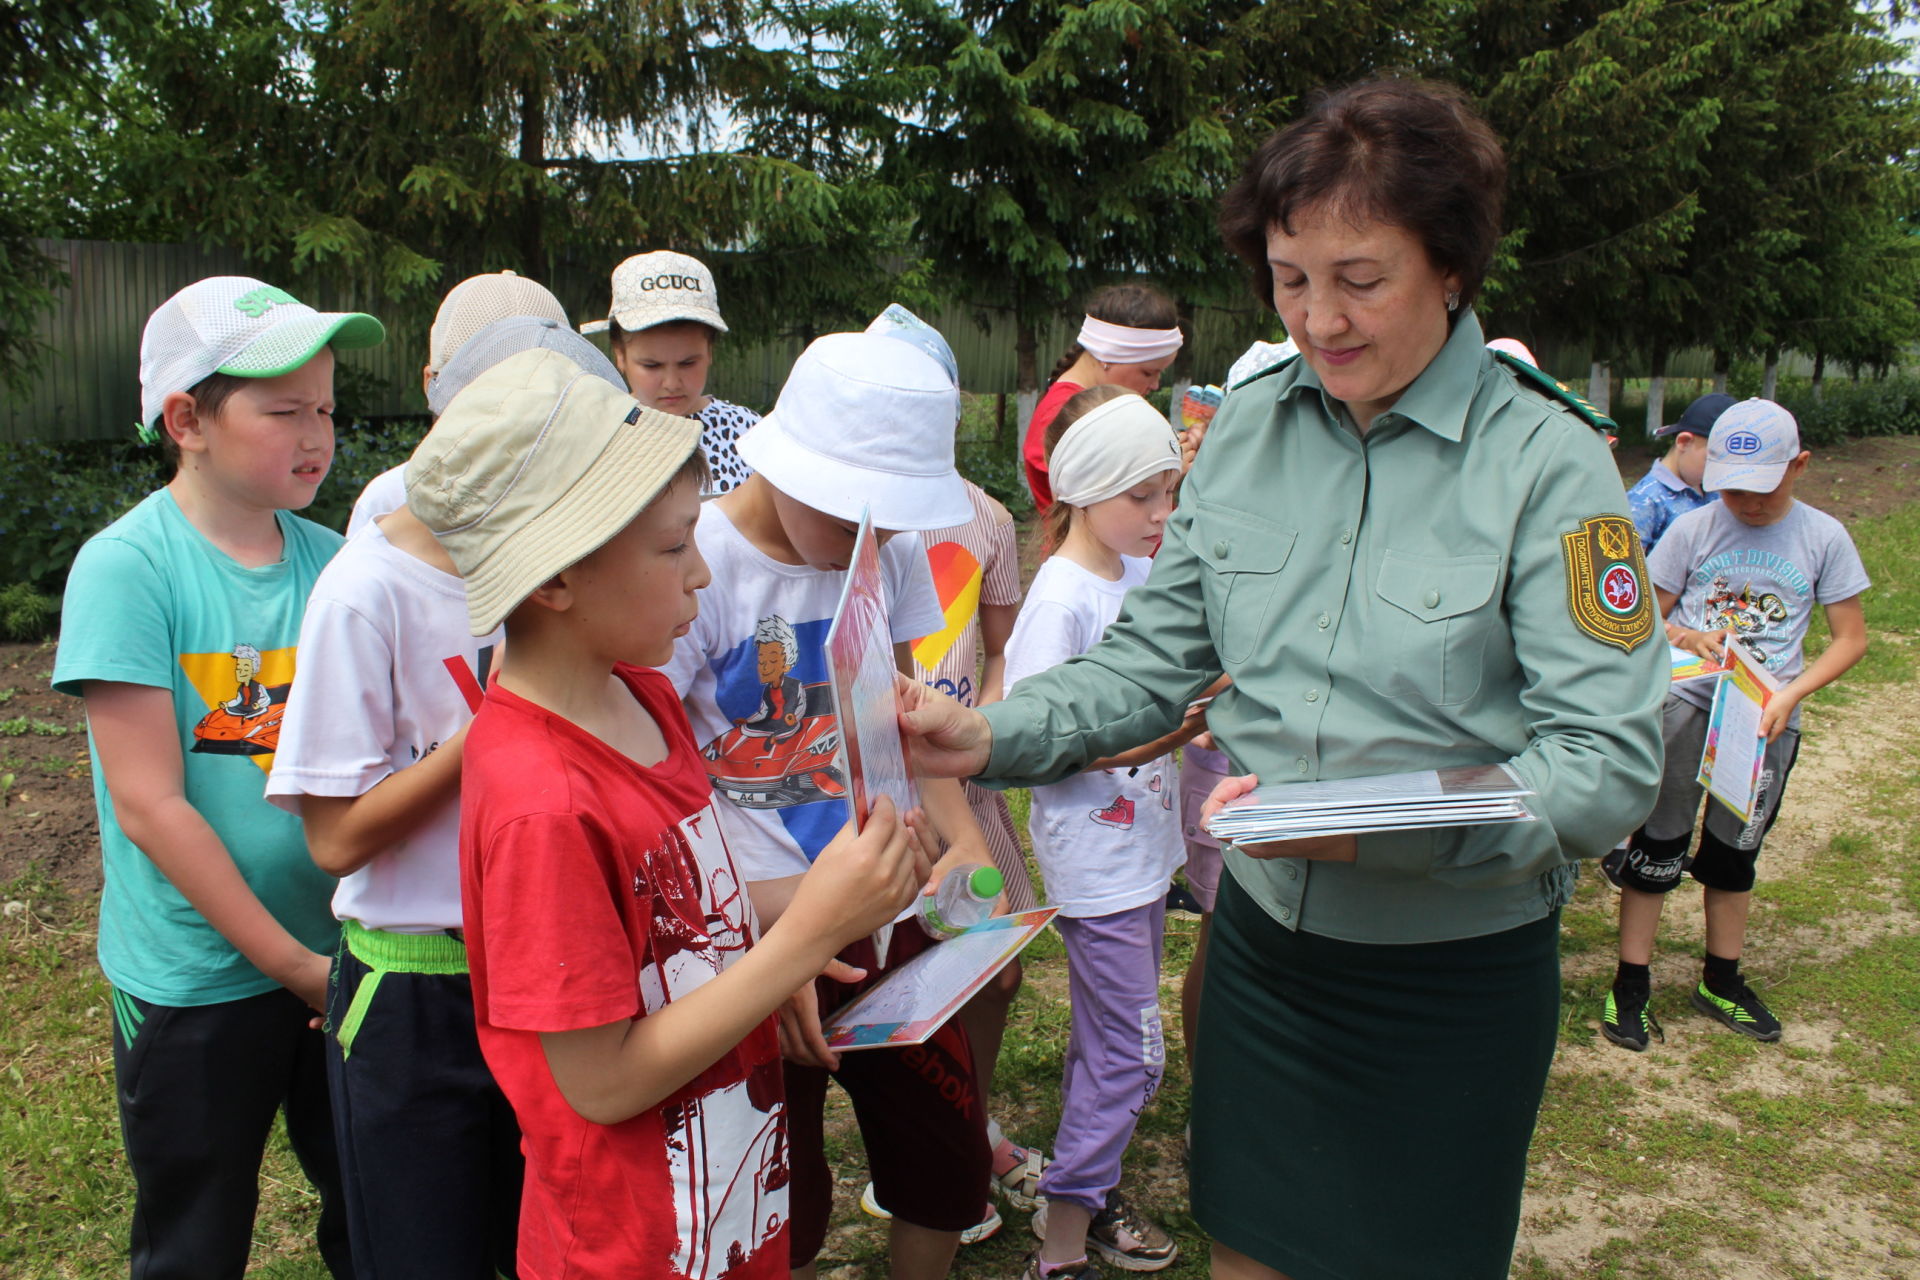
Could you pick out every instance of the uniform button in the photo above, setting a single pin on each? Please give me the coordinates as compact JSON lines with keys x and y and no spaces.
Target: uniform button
{"x":1286,"y":913}
{"x":1192,"y":830}
{"x":1301,"y":764}
{"x":1433,"y":599}
{"x":1346,"y":535}
{"x":1220,"y":549}
{"x":1313,"y":695}
{"x":1293,"y":872}
{"x":1323,"y":622}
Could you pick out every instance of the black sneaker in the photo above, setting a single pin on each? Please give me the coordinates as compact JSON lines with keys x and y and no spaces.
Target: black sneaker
{"x":1181,"y":904}
{"x":1744,"y":1011}
{"x":1628,"y":1022}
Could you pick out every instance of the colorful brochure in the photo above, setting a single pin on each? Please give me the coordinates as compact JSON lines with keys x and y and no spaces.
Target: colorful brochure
{"x":1691,"y":666}
{"x":1462,"y":795}
{"x":860,"y":665}
{"x":913,"y":1001}
{"x":1736,"y":750}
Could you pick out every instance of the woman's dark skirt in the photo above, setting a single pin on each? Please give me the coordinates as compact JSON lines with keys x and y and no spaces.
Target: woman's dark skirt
{"x":1362,"y":1111}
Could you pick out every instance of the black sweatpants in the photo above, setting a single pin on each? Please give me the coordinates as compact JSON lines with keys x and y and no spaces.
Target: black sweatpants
{"x":429,"y":1148}
{"x":198,"y":1088}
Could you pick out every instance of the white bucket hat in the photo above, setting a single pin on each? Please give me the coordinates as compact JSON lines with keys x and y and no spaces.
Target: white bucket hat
{"x":534,"y":466}
{"x":865,"y":422}
{"x":659,"y":288}
{"x":239,"y":326}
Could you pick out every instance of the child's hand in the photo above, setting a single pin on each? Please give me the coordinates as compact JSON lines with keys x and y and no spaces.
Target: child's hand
{"x":1710,"y":645}
{"x":1777,"y":713}
{"x":946,"y":739}
{"x":860,"y":881}
{"x":308,"y":980}
{"x":1318,"y":849}
{"x":801,"y":1039}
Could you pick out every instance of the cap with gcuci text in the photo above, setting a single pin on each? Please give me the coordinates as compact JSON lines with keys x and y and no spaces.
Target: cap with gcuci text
{"x":660,"y":288}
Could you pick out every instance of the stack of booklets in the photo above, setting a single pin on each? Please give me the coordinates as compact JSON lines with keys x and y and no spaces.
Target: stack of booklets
{"x":1462,"y":796}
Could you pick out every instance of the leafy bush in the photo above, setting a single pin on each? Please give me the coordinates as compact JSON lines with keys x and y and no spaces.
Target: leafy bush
{"x":1887,"y":407}
{"x":53,"y":497}
{"x":361,"y":452}
{"x":983,"y":456}
{"x":24,"y":612}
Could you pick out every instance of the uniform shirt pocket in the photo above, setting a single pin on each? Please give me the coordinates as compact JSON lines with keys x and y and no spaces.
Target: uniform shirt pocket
{"x":1241,"y":557}
{"x":1429,"y":622}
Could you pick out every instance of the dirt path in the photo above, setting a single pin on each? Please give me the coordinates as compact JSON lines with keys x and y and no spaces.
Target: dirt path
{"x":1572,"y":1213}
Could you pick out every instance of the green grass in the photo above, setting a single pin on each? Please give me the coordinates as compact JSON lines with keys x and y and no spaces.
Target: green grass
{"x":1709,"y":1156}
{"x":21,"y":726}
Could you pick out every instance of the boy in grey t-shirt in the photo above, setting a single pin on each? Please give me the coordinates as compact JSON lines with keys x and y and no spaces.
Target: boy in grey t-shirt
{"x":1748,"y":570}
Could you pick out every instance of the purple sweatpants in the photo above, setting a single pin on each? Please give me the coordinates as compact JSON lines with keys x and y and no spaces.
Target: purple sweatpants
{"x":1115,"y":1056}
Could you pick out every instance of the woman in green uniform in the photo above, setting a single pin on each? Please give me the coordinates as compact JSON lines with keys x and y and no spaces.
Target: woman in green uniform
{"x":1406,"y":557}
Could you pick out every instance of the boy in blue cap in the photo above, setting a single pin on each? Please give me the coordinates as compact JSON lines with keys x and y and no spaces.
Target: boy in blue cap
{"x":1671,"y":487}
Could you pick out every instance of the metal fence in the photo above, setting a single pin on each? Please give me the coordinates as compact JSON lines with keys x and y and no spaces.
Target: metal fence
{"x":88,"y":384}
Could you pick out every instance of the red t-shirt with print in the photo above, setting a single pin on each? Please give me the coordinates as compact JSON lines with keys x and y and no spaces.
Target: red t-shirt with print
{"x":594,"y":890}
{"x":1034,"y":449}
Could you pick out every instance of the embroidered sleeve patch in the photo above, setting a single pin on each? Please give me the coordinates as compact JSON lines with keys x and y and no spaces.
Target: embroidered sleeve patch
{"x":1607,"y":582}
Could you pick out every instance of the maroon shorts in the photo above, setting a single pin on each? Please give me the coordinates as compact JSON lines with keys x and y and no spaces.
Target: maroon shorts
{"x":920,"y":1114}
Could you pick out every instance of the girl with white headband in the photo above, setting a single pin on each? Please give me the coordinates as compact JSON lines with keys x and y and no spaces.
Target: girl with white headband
{"x":1108,"y":839}
{"x":1129,"y":336}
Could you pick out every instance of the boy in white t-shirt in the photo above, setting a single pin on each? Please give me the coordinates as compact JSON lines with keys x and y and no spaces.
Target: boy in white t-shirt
{"x":369,"y":759}
{"x":864,"y":423}
{"x":476,"y":303}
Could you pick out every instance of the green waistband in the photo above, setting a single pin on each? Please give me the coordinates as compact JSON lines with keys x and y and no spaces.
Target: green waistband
{"x":404,"y":952}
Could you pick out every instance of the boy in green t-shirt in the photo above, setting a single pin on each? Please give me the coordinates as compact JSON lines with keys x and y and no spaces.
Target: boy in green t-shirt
{"x":179,"y":630}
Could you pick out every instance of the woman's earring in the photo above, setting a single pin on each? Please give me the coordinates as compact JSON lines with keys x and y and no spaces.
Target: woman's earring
{"x":1453,"y":301}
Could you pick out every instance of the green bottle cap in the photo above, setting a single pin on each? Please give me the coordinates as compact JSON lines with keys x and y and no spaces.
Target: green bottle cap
{"x":986,"y":882}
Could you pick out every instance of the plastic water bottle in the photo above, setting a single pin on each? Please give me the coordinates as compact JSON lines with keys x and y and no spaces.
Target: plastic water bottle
{"x":964,"y":899}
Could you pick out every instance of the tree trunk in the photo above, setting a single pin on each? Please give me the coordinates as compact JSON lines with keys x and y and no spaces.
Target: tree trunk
{"x":1722,"y":367}
{"x":1026,"y":381}
{"x":1600,"y":385}
{"x":533,"y":151}
{"x":1000,"y":418}
{"x":1657,"y":392}
{"x":1770,"y":380}
{"x":1819,"y":375}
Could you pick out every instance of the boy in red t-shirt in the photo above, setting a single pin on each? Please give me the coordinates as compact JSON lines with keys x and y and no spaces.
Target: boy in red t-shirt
{"x":623,"y":1002}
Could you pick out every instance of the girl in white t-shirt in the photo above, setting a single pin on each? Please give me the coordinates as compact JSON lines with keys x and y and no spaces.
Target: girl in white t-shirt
{"x":1108,"y":839}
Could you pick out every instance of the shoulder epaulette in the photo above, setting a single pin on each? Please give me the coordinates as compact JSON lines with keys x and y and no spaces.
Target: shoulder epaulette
{"x":1554,"y":389}
{"x":1269,"y":371}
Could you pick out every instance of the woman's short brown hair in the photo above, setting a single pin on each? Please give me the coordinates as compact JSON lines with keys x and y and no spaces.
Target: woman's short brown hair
{"x":1410,"y":153}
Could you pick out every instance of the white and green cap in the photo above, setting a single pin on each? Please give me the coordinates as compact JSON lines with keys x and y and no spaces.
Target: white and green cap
{"x":238,"y":326}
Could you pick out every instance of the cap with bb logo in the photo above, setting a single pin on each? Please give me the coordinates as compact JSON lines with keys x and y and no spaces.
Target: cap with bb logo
{"x":239,"y":326}
{"x":1750,"y":448}
{"x":660,"y":288}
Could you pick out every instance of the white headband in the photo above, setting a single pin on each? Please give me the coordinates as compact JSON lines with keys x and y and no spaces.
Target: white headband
{"x":1120,"y":344}
{"x":1111,"y":449}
